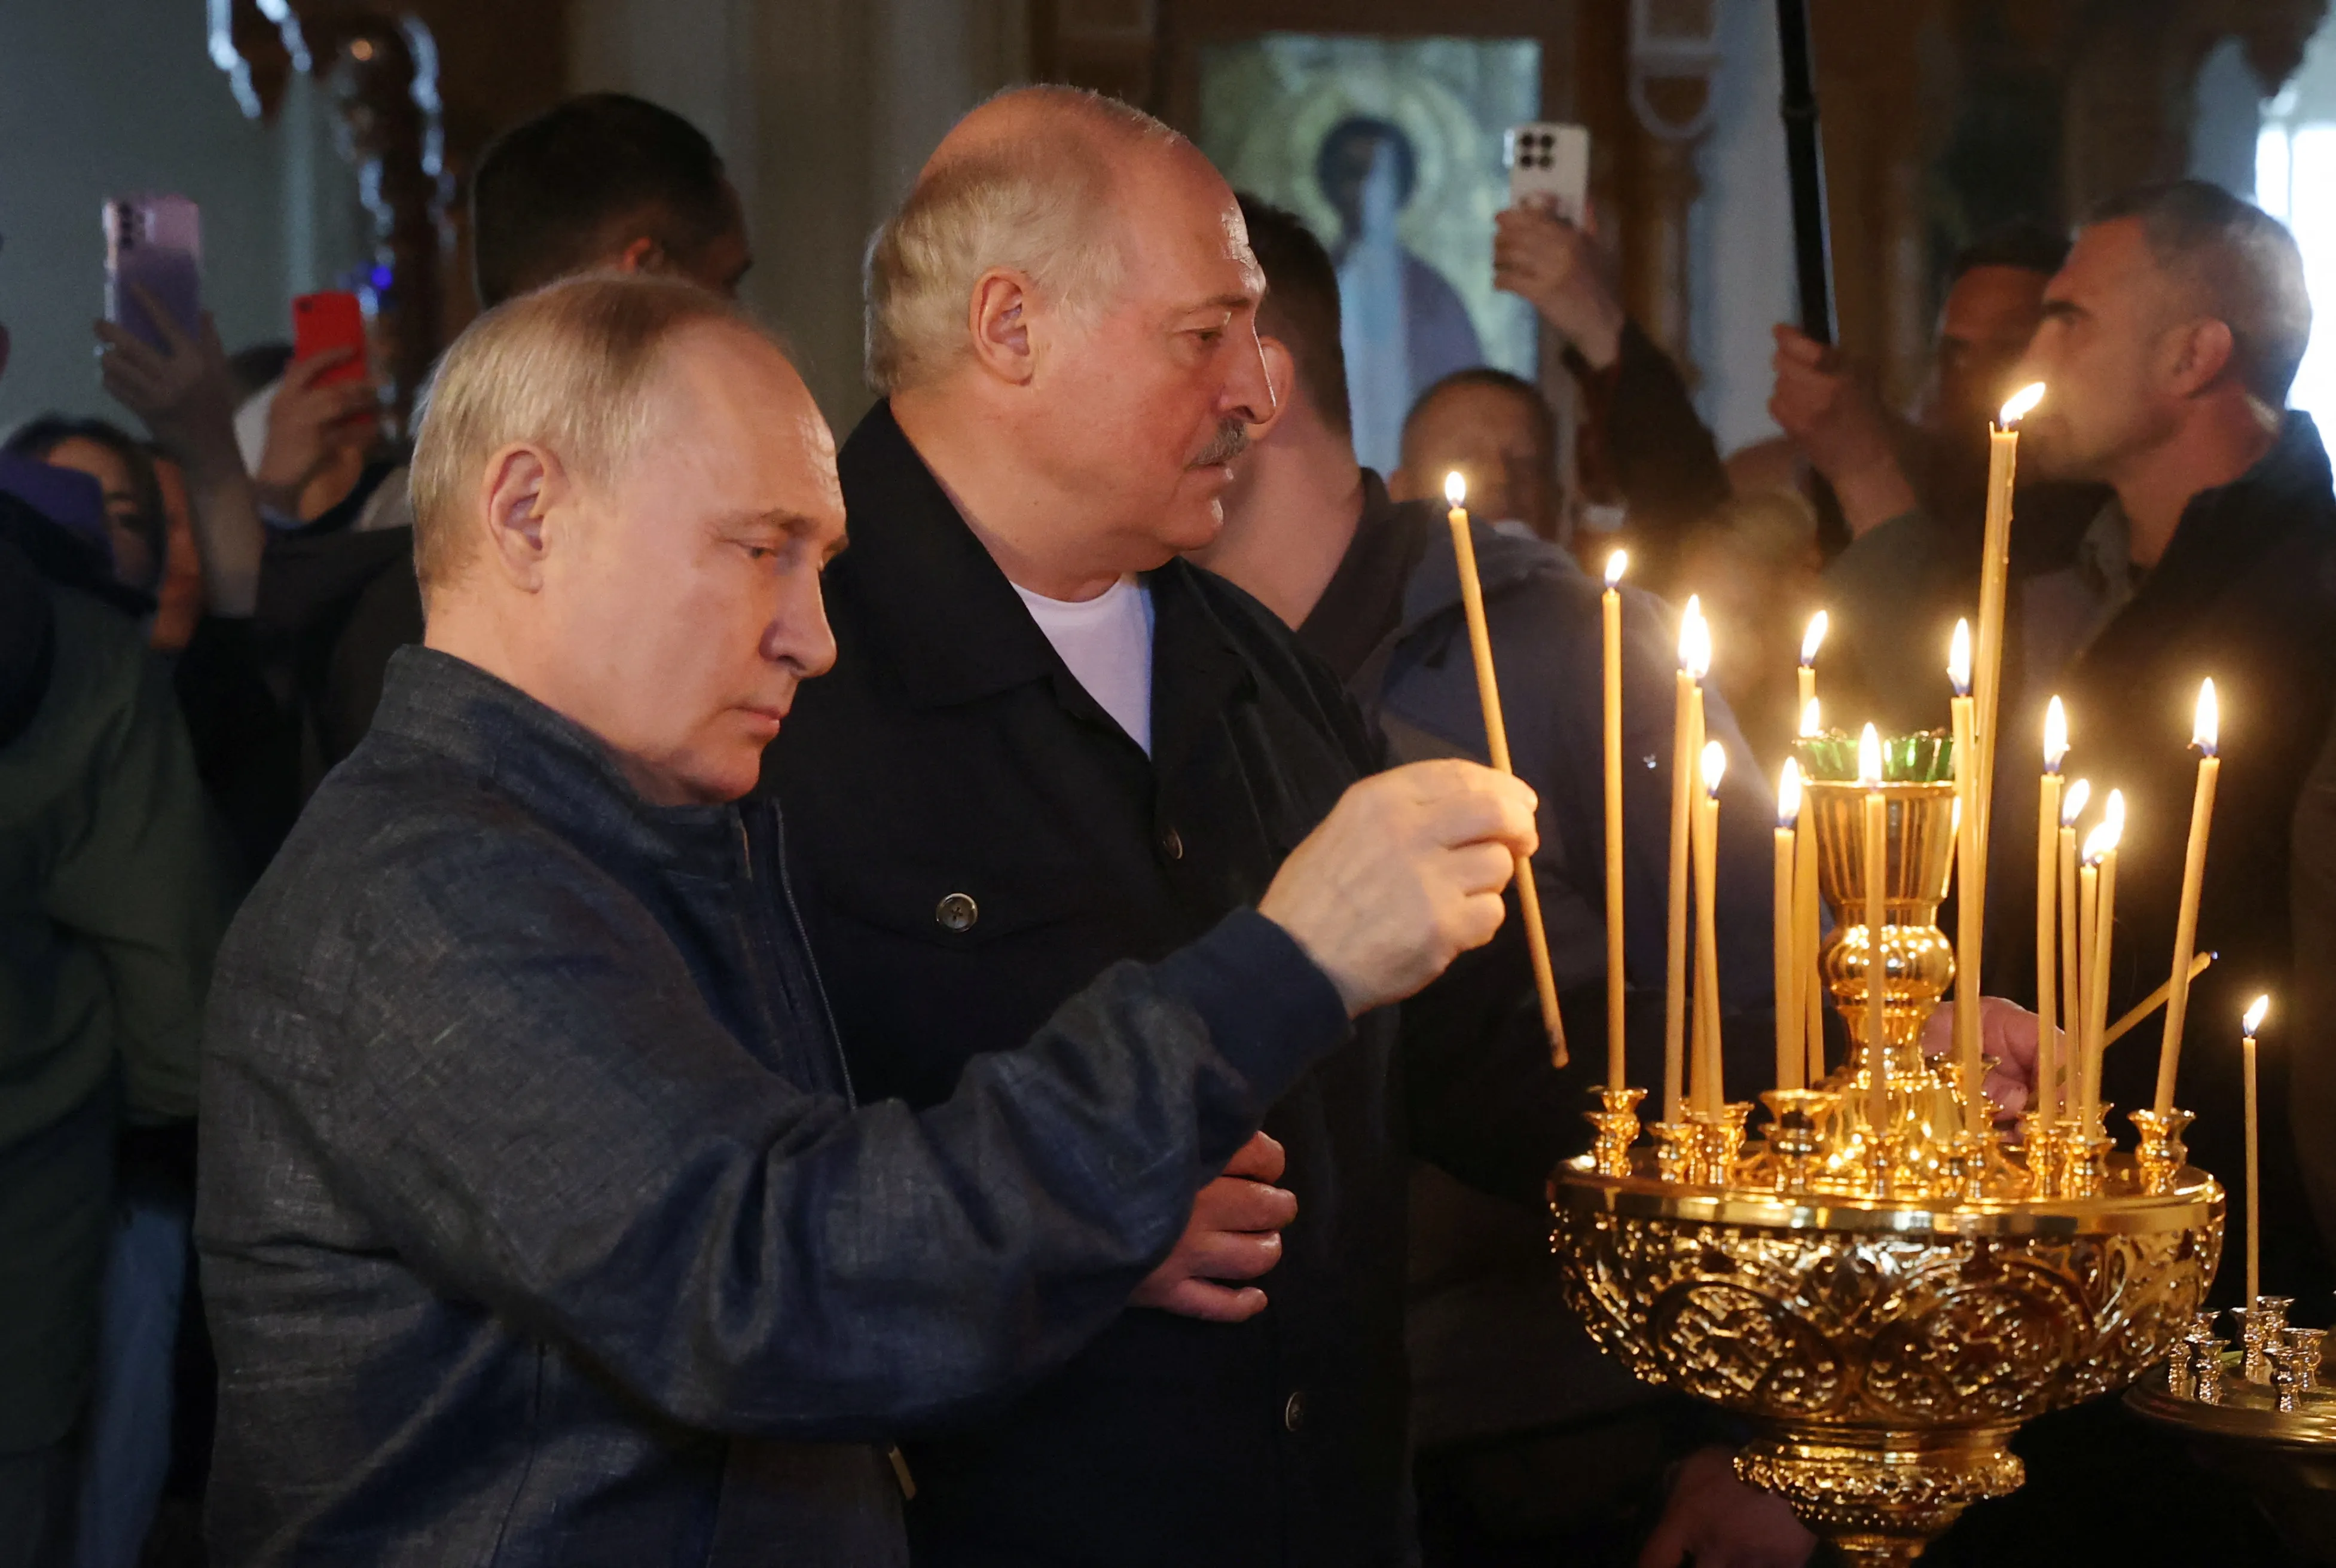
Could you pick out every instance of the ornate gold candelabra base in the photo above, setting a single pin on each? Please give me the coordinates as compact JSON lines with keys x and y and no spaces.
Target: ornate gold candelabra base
{"x":1887,"y":1347}
{"x":1879,"y":1502}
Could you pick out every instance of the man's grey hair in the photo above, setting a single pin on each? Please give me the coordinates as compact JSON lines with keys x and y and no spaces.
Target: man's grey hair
{"x":1042,"y":204}
{"x":2244,"y":264}
{"x":570,"y":366}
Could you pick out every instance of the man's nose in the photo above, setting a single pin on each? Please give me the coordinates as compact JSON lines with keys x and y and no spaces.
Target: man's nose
{"x":1249,"y":394}
{"x":799,"y":634}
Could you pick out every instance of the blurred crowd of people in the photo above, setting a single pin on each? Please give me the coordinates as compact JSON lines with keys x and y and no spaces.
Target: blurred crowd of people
{"x":199,"y":599}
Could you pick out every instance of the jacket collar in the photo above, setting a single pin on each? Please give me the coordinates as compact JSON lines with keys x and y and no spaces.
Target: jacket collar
{"x":550,"y":764}
{"x":952,"y":627}
{"x":953,"y":630}
{"x":2224,"y":536}
{"x":2232,"y":524}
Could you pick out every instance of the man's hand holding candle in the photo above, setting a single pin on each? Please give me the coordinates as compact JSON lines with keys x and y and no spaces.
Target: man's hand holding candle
{"x":1404,"y":876}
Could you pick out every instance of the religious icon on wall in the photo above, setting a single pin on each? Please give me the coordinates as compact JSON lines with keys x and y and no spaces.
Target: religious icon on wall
{"x":1390,"y":148}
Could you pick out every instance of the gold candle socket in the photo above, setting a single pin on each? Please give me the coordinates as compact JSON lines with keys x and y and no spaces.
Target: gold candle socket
{"x":2041,"y":1147}
{"x":2206,"y":1369}
{"x":1675,"y":1143}
{"x":2307,"y":1343}
{"x":1616,"y":1121}
{"x":2260,"y":1328}
{"x":1797,"y":1120}
{"x":2161,"y":1151}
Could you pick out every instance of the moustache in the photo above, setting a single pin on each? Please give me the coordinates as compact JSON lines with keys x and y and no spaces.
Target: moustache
{"x":1230,"y":440}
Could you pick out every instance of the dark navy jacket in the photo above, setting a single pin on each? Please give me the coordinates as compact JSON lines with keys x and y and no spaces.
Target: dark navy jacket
{"x":537,"y":1224}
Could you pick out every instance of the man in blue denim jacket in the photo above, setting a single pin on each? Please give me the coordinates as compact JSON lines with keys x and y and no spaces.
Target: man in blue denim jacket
{"x":538,"y":1222}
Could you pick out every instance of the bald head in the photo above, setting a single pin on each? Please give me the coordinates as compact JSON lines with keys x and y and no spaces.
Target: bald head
{"x":1030,"y":183}
{"x":1052,"y":119}
{"x":1063,"y":319}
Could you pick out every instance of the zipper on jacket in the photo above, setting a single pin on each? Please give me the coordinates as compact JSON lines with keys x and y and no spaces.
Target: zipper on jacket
{"x":809,"y":964}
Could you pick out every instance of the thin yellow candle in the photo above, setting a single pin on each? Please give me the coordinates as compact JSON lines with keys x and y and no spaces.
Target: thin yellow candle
{"x":2204,"y":730}
{"x":2150,"y":1003}
{"x":1686,"y":744}
{"x":1811,"y":641}
{"x":2047,"y":885}
{"x":1995,"y":565}
{"x":1710,"y":1082}
{"x":2072,"y":949}
{"x":1611,"y":606}
{"x":2248,"y":1026}
{"x":1876,"y":852}
{"x":1805,"y":923}
{"x":1785,"y":907}
{"x":2088,"y":910}
{"x":1496,"y":744}
{"x":1967,"y":876}
{"x":2100,"y":853}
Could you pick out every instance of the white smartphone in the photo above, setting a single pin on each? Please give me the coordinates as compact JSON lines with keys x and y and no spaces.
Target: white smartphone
{"x":1549,"y":167}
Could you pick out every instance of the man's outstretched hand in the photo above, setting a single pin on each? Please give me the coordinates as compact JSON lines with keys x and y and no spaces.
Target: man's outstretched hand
{"x":2007,"y":1043}
{"x":1234,"y":1233}
{"x":1402,"y":876}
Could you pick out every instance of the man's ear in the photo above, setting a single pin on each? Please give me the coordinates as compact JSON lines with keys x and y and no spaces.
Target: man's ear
{"x":523,"y":483}
{"x":2201,"y":355}
{"x":642,"y":254}
{"x":1400,"y":488}
{"x":1281,"y":375}
{"x":999,"y":319}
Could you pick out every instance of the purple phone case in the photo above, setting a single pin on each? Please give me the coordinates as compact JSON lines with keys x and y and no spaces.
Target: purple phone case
{"x":156,"y":243}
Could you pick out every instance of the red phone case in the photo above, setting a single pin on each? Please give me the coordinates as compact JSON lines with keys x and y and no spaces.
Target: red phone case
{"x":326,"y":321}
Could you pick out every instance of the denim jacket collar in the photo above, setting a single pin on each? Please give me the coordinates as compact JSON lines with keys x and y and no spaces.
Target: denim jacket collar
{"x":550,"y":764}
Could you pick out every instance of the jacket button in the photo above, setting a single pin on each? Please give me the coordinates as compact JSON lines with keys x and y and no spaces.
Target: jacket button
{"x":956,"y":912}
{"x":1293,"y":1411}
{"x":1172,"y":843}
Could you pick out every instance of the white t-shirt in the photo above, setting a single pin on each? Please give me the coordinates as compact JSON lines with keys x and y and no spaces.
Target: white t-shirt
{"x":1106,"y":641}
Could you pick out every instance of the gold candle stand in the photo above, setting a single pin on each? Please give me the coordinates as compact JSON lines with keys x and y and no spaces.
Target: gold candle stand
{"x":1887,"y":1302}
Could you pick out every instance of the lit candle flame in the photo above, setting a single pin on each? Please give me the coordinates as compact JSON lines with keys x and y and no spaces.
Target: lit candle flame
{"x":1869,"y":758}
{"x":2072,"y":804}
{"x":2020,"y":405}
{"x":2102,"y":842}
{"x":1616,"y":565}
{"x":1715,"y":766}
{"x":1813,"y":639}
{"x":1455,"y":490}
{"x":2206,"y":729}
{"x":1694,"y":640}
{"x":2056,"y":735}
{"x":1788,"y":795}
{"x":1959,"y":658}
{"x":2255,"y":1011}
{"x":1812,"y":719}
